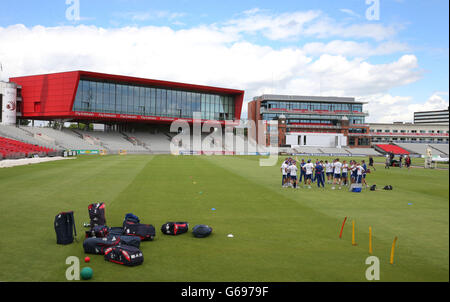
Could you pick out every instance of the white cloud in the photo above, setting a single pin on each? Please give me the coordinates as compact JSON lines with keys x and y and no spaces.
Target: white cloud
{"x":215,"y":54}
{"x":350,"y":12}
{"x":139,"y":16}
{"x":312,"y":23}
{"x":353,"y":48}
{"x":385,"y":108}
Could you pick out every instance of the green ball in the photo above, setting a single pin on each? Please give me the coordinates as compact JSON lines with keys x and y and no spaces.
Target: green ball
{"x":86,"y":273}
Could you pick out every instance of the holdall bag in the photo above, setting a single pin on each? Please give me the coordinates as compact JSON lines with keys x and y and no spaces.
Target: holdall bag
{"x":94,"y":245}
{"x":97,"y":214}
{"x":174,"y":228}
{"x":116,"y":231}
{"x":130,"y":240}
{"x":64,"y":224}
{"x":125,"y":255}
{"x":201,"y":231}
{"x":373,"y":187}
{"x":98,"y":231}
{"x":144,"y":231}
{"x":131,"y":217}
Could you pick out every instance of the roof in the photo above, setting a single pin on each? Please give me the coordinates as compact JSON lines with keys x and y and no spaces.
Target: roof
{"x":303,"y":98}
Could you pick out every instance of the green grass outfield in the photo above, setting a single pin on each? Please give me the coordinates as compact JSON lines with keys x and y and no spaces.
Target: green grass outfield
{"x":280,"y":234}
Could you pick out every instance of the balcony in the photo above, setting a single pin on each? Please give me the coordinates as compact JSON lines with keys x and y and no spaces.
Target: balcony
{"x":312,"y":126}
{"x":319,"y":112}
{"x":394,"y":134}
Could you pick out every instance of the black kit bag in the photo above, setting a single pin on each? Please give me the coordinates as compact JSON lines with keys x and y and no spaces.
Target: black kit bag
{"x":98,"y":231}
{"x":125,"y":255}
{"x":201,"y":231}
{"x":388,"y":187}
{"x":65,"y":227}
{"x":97,"y":214}
{"x":144,"y":231}
{"x":132,"y":218}
{"x":373,"y":187}
{"x":174,"y":228}
{"x":96,"y":245}
{"x":116,"y":231}
{"x":130,"y":240}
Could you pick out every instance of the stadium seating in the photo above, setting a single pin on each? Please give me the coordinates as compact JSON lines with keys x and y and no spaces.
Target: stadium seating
{"x":307,"y":150}
{"x":334,"y":150}
{"x":22,"y":135}
{"x":363,"y":151}
{"x":13,"y":149}
{"x":443,"y":148}
{"x":114,"y":141}
{"x":392,"y":149}
{"x":419,"y":148}
{"x":65,"y":139}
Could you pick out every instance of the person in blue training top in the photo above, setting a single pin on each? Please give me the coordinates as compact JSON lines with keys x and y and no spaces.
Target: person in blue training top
{"x":302,"y":172}
{"x":320,"y":177}
{"x":314,"y":177}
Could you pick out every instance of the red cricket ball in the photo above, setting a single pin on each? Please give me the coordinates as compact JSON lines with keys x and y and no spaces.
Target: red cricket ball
{"x":87,"y":259}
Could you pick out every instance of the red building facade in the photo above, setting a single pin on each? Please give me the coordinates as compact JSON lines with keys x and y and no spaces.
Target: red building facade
{"x":99,"y":97}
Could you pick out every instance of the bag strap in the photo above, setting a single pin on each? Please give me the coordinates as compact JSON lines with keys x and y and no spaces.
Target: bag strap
{"x":73,"y":224}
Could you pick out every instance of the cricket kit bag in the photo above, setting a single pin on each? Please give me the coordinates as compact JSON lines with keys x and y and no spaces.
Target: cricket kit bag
{"x":98,"y":231}
{"x":201,"y":230}
{"x":116,"y":231}
{"x":65,"y":227}
{"x":98,"y":246}
{"x":174,"y":228}
{"x":130,"y":240}
{"x":97,"y":214}
{"x":388,"y":187}
{"x":144,"y":231}
{"x":125,"y":255}
{"x":131,"y":217}
{"x":95,"y":245}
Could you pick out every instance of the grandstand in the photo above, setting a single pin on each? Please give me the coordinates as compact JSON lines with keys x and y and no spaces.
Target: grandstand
{"x":25,"y":136}
{"x":307,"y":150}
{"x":113,"y":141}
{"x":443,"y":148}
{"x":420,"y":149}
{"x":363,"y":151}
{"x":336,"y":151}
{"x":65,"y":139}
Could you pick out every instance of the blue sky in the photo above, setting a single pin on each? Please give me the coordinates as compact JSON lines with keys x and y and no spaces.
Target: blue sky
{"x":399,"y":61}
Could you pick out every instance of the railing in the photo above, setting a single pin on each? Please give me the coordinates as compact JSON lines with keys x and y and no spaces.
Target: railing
{"x":407,"y":134}
{"x":307,"y":111}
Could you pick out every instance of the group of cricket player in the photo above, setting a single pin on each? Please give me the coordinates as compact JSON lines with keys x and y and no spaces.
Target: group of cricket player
{"x":335,"y":173}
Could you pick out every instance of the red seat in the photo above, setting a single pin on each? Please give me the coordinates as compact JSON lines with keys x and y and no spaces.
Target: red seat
{"x":392,"y":149}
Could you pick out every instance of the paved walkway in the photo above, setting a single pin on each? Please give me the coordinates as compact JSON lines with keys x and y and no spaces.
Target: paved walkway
{"x":8,"y":163}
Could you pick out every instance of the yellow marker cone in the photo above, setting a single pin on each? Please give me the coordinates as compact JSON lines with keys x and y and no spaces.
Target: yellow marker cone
{"x":393,"y":250}
{"x":353,"y":233}
{"x":370,"y":240}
